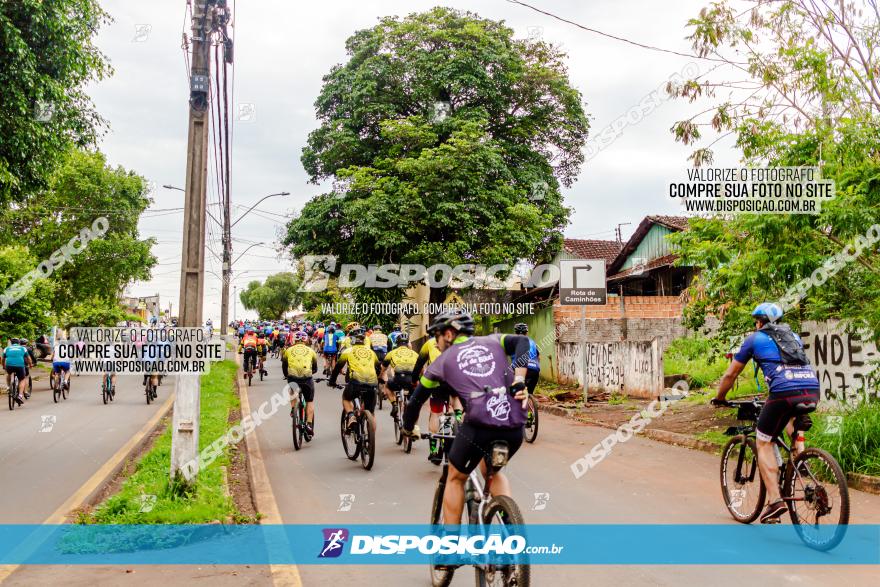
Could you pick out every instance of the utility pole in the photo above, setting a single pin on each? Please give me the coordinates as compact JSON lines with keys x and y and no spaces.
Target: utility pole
{"x":208,"y":16}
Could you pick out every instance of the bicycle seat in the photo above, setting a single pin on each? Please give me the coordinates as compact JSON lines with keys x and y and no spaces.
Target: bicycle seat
{"x":805,"y":407}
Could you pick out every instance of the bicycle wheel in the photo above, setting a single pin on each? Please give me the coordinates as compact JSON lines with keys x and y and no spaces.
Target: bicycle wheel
{"x":503,"y":511}
{"x":380,"y":399}
{"x":148,"y":390}
{"x":349,"y":443}
{"x":741,"y":485}
{"x":818,"y":499}
{"x":531,"y":420}
{"x":368,"y":440}
{"x":65,"y":390}
{"x":56,"y":390}
{"x":105,"y":392}
{"x":442,"y":576}
{"x":11,"y":395}
{"x":296,"y":424}
{"x":261,"y":373}
{"x":250,"y":377}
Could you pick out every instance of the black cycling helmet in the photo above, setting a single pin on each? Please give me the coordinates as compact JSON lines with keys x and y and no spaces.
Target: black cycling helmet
{"x":357,"y":335}
{"x":13,"y":341}
{"x":402,"y":340}
{"x":521,"y":328}
{"x":460,"y":320}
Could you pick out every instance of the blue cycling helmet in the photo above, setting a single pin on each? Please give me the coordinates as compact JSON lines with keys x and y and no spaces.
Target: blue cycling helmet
{"x":768,"y":311}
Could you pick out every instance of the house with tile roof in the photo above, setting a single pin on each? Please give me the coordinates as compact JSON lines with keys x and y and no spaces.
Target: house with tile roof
{"x":644,"y":264}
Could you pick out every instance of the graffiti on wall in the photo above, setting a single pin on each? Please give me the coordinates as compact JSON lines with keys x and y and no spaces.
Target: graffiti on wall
{"x":844,"y":362}
{"x":632,"y":368}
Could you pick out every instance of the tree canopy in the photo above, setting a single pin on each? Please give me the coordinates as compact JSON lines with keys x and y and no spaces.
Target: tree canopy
{"x":446,"y":140}
{"x":799,"y":88}
{"x":273,"y":298}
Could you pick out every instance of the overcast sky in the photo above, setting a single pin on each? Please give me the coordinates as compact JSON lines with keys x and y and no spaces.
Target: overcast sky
{"x":282,"y":50}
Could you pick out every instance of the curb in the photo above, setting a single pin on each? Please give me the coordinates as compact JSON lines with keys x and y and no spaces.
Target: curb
{"x":261,"y":488}
{"x":857,"y":481}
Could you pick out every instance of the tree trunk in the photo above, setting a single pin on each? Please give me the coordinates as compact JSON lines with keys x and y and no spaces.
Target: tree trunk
{"x":436,"y":296}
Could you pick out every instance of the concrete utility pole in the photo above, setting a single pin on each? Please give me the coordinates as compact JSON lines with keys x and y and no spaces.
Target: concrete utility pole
{"x":207,"y":17}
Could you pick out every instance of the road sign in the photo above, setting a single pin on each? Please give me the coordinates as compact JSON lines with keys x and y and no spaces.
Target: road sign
{"x":582,"y":282}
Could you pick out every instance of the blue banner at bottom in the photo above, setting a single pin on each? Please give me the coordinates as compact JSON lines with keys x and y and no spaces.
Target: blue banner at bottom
{"x":584,"y":544}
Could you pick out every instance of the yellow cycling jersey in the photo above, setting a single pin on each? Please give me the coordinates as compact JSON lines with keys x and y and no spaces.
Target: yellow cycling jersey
{"x":402,"y":359}
{"x":361,"y":361}
{"x":345,"y":343}
{"x":429,"y":350}
{"x":379,"y":339}
{"x":299,"y":359}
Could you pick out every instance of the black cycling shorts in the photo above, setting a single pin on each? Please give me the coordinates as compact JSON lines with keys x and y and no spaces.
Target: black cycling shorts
{"x":401,"y":380}
{"x":532,"y":380}
{"x":20,"y":371}
{"x":366,"y":392}
{"x":381,"y":354}
{"x":307,"y":385}
{"x":779,"y":409}
{"x":473,"y":443}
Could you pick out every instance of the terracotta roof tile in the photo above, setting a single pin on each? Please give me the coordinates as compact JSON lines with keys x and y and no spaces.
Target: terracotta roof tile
{"x":592,"y":248}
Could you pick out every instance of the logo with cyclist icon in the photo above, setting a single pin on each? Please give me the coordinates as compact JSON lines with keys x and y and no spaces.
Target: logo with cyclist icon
{"x":476,"y":361}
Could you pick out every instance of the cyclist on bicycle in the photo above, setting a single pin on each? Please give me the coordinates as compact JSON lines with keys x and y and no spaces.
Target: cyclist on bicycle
{"x":331,"y":348}
{"x":397,"y":368}
{"x":791,"y":380}
{"x":533,"y":365}
{"x":249,"y":347}
{"x":32,"y":353}
{"x":439,"y":396}
{"x":262,"y":352}
{"x":475,"y":369}
{"x":15,"y":361}
{"x":298,"y":363}
{"x":362,"y":377}
{"x":61,"y":366}
{"x":379,"y":342}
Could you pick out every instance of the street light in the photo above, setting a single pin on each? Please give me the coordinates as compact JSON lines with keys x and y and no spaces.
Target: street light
{"x":171,"y":187}
{"x":257,"y":204}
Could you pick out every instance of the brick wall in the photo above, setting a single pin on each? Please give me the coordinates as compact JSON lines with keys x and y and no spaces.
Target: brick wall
{"x":633,"y":318}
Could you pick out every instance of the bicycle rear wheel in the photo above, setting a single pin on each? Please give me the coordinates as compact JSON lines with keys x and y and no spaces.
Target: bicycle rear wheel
{"x":818,"y":499}
{"x":368,"y":440}
{"x":296,"y":423}
{"x":148,"y":390}
{"x":741,"y":485}
{"x":11,"y":394}
{"x":531,"y":420}
{"x":65,"y":390}
{"x":349,"y":444}
{"x":502,"y":511}
{"x":105,"y":392}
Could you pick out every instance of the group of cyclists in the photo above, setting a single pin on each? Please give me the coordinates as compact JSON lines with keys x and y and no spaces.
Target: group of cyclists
{"x":486,"y":380}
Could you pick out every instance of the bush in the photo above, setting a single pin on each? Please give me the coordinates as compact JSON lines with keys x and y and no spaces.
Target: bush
{"x":852,"y":435}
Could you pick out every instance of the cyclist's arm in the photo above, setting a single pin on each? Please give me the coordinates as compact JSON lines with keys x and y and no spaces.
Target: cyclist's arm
{"x":420,"y":362}
{"x":416,"y":400}
{"x":517,"y":346}
{"x":340,"y":363}
{"x":729,"y":378}
{"x":314,"y":363}
{"x":284,"y":365}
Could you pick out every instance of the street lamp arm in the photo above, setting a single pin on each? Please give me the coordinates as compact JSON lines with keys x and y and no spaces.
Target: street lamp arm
{"x":245,"y":251}
{"x":257,"y":204}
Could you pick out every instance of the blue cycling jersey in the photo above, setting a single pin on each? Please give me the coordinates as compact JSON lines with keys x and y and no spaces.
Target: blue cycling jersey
{"x":330,"y":341}
{"x":760,"y":347}
{"x":15,"y":355}
{"x":534,"y":363}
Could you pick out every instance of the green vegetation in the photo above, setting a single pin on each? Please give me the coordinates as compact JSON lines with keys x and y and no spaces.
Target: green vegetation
{"x":208,"y":500}
{"x":447,"y":141}
{"x":702,"y":360}
{"x":851,"y":435}
{"x":274,"y":297}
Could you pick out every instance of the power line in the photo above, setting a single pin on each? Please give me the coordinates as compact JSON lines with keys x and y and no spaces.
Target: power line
{"x":616,"y":37}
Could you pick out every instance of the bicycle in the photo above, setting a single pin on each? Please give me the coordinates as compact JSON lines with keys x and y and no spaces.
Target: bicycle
{"x":482,"y":510}
{"x":299,"y":423}
{"x":60,"y":388}
{"x":399,"y":437}
{"x":360,"y":442}
{"x":12,"y":392}
{"x":808,"y":479}
{"x":531,"y":431}
{"x":150,"y":390}
{"x":108,"y":390}
{"x":249,"y":369}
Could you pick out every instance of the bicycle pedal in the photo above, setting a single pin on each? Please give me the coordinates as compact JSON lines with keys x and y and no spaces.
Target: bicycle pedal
{"x":777,"y":520}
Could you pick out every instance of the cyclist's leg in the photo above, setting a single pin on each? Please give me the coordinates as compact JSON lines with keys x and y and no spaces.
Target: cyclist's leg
{"x":348,"y":395}
{"x":308,"y":387}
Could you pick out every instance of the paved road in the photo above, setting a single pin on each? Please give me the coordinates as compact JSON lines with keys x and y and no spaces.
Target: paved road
{"x":641,"y":482}
{"x":50,"y":450}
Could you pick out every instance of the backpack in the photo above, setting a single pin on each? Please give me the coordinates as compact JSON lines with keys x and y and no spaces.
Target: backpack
{"x":791,"y":349}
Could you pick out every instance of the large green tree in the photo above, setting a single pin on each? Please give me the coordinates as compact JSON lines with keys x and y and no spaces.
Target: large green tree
{"x":447,"y":140}
{"x":797,"y":85}
{"x":47,"y":58}
{"x":82,"y":190}
{"x":273,"y":298}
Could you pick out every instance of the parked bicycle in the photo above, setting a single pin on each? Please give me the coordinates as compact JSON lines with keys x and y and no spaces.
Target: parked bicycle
{"x":812,"y":484}
{"x":491,"y":514}
{"x":359,"y":441}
